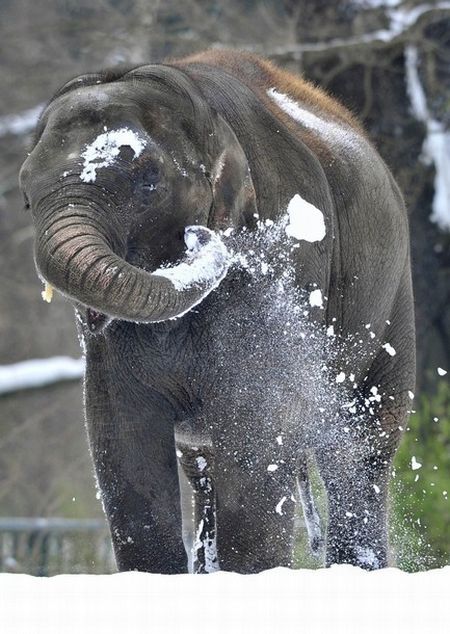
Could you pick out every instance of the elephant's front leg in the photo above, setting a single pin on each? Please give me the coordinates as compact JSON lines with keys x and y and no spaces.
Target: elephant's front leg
{"x":134,"y":457}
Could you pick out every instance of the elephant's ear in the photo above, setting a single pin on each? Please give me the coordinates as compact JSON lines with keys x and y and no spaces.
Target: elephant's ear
{"x":234,"y":199}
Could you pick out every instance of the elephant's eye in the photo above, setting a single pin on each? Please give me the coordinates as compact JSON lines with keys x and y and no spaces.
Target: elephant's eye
{"x":26,"y":203}
{"x":150,"y":177}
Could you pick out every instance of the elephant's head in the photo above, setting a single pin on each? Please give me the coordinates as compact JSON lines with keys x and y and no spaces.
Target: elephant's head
{"x":128,"y":169}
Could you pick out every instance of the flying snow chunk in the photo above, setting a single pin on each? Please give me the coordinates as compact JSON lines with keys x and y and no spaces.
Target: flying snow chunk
{"x":306,"y":222}
{"x":279,"y":506}
{"x":389,"y":349}
{"x":411,"y":395}
{"x":330,"y":331}
{"x":272,"y":467}
{"x":315,"y":298}
{"x":441,"y":372}
{"x":414,"y":464}
{"x":205,"y":263}
{"x":340,"y":377}
{"x":104,"y":150}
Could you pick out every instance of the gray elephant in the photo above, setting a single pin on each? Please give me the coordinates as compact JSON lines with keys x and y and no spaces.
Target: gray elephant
{"x":238,"y":256}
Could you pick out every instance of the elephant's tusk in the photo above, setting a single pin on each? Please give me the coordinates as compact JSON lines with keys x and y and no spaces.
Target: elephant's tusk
{"x":47,"y":293}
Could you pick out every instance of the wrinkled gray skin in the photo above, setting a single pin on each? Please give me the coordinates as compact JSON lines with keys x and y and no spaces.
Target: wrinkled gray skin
{"x":216,"y":151}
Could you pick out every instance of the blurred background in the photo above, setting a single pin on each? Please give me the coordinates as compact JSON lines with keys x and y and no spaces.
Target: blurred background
{"x":389,"y":62}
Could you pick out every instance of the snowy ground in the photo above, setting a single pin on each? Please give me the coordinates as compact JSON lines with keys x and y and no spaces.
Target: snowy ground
{"x":340,"y":599}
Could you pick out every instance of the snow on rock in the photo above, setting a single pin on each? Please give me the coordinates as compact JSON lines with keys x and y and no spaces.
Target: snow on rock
{"x":39,"y":372}
{"x":306,"y":222}
{"x":297,"y":600}
{"x":436,"y":147}
{"x":315,"y":298}
{"x":207,"y":260}
{"x":20,"y":123}
{"x":104,"y":150}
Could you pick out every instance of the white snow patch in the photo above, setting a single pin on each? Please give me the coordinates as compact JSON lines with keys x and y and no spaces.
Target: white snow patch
{"x":279,"y":506}
{"x":441,"y":372}
{"x":20,"y":123}
{"x":306,"y":222}
{"x":272,"y":467}
{"x":411,"y":395}
{"x":38,"y":372}
{"x":104,"y":150}
{"x":201,"y":463}
{"x":367,"y":557}
{"x":258,"y":603}
{"x":206,"y":264}
{"x":376,"y":488}
{"x":315,"y":298}
{"x":330,"y":331}
{"x":279,"y":440}
{"x":340,"y":377}
{"x":414,"y":464}
{"x":331,"y":131}
{"x":389,"y":349}
{"x":436,"y":147}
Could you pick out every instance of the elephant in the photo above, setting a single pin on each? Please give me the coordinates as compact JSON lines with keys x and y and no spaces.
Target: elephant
{"x":237,"y":253}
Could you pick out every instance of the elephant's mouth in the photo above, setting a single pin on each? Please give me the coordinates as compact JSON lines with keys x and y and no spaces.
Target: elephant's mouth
{"x":96,"y":321}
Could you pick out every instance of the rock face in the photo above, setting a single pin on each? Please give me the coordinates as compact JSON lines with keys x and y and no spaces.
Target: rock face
{"x":387,"y":61}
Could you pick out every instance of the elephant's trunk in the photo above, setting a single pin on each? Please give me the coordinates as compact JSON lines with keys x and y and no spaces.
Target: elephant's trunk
{"x":76,"y":259}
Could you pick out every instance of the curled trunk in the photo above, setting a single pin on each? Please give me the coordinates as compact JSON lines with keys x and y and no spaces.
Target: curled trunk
{"x":76,"y":259}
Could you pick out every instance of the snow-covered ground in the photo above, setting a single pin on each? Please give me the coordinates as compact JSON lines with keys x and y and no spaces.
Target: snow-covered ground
{"x":38,"y":372}
{"x":340,"y":599}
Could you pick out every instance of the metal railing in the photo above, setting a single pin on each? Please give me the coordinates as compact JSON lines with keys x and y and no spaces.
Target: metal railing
{"x":48,"y":546}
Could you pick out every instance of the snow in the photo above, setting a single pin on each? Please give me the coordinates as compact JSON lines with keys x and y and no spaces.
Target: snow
{"x":272,"y":467}
{"x":414,"y":464}
{"x":441,"y":372}
{"x":367,"y":557}
{"x":436,"y":147}
{"x":206,"y":263}
{"x":389,"y":349}
{"x":279,"y":506}
{"x":341,"y":599}
{"x":315,"y":298}
{"x":375,"y":4}
{"x":20,"y":123}
{"x":400,"y":20}
{"x":306,"y":222}
{"x":39,"y":372}
{"x":103,"y":151}
{"x":333,"y":132}
{"x":340,"y":377}
{"x":201,"y":463}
